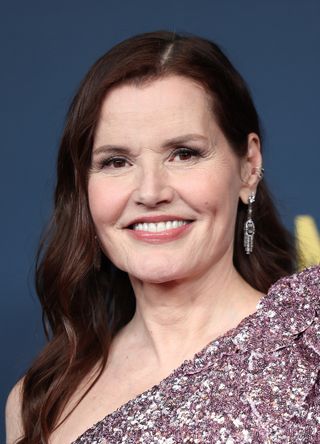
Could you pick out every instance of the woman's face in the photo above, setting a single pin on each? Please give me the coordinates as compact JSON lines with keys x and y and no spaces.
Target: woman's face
{"x":164,"y":183}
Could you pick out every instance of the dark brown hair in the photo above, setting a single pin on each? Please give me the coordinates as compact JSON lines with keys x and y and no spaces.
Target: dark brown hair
{"x":85,"y":298}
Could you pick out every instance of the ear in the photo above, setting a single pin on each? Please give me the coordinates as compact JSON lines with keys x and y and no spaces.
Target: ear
{"x":251,"y":165}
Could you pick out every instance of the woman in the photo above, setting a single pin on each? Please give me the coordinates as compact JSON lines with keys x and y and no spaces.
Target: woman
{"x":156,"y":274}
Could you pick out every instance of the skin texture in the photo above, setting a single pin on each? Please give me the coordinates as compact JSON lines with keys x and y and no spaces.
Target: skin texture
{"x":173,"y":281}
{"x":187,"y":289}
{"x":151,"y":180}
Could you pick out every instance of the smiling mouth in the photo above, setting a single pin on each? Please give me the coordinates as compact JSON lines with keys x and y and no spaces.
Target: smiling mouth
{"x":158,"y":227}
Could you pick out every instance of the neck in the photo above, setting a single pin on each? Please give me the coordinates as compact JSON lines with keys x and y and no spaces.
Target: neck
{"x":176,"y":319}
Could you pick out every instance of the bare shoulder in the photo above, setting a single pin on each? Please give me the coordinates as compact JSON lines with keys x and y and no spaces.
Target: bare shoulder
{"x":13,"y":413}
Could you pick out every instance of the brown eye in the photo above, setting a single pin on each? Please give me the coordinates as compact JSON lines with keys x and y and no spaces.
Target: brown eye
{"x":114,"y":162}
{"x":183,"y":154}
{"x":118,"y":163}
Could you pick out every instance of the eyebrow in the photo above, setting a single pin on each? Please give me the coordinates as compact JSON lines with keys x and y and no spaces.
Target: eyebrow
{"x":119,"y":149}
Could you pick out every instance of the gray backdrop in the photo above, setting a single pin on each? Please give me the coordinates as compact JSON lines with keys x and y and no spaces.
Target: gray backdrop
{"x":46,"y":48}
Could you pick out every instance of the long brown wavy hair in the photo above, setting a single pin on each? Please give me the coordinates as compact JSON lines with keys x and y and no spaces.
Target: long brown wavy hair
{"x":85,"y":298}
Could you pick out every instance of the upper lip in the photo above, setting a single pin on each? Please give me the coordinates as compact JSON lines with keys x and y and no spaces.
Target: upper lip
{"x":160,"y":218}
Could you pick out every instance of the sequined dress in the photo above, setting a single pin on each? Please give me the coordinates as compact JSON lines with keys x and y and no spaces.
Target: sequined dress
{"x":258,"y":383}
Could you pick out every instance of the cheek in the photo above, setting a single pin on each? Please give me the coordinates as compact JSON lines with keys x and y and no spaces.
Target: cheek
{"x":211,"y":192}
{"x":106,"y":200}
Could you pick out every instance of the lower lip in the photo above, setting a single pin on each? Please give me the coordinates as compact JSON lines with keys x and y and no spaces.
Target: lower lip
{"x":161,"y":236}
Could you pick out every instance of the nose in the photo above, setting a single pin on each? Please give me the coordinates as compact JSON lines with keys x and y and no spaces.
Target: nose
{"x":153,"y":187}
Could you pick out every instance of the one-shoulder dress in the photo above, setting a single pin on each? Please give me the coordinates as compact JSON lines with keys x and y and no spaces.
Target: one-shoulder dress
{"x":258,"y":383}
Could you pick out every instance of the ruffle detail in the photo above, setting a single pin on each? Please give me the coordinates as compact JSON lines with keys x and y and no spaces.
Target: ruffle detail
{"x":257,"y":384}
{"x":289,"y":309}
{"x":285,"y":370}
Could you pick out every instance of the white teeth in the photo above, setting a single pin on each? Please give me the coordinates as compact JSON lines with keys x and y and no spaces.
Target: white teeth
{"x":160,"y":226}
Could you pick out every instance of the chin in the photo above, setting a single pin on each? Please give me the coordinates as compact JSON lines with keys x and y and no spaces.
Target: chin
{"x":157,"y":274}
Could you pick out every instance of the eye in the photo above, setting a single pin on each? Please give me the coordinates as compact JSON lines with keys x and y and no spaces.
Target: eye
{"x":184,"y":154}
{"x":114,"y":162}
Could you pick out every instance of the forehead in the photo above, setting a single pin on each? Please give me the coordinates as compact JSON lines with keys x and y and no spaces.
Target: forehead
{"x":163,"y":107}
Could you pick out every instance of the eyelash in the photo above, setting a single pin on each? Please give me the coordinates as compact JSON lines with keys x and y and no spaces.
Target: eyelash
{"x":194,"y":152}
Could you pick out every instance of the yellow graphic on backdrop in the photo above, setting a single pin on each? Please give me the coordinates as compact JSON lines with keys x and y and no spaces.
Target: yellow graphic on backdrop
{"x":307,"y":241}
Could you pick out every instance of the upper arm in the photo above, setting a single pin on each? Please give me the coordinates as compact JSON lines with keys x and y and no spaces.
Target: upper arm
{"x":14,"y":429}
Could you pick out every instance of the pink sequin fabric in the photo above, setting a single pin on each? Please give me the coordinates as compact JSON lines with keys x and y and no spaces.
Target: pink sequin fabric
{"x":258,"y":383}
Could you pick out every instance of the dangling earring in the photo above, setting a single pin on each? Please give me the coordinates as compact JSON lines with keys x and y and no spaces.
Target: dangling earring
{"x":249,"y":228}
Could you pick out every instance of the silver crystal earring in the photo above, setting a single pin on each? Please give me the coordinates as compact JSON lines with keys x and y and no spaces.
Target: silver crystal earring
{"x":249,"y":228}
{"x":259,"y":171}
